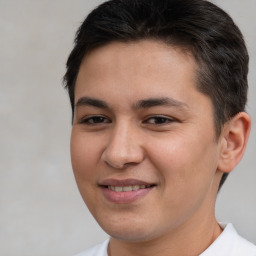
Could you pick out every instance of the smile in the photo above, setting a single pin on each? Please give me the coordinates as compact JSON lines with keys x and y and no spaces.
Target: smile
{"x":125,"y":191}
{"x":128,"y":188}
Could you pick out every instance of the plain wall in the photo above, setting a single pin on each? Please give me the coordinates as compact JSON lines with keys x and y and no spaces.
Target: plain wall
{"x":41,"y":210}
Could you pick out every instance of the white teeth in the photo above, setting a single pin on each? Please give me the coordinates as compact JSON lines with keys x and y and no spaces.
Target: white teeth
{"x":127,"y":188}
{"x":135,"y":187}
{"x":118,"y":189}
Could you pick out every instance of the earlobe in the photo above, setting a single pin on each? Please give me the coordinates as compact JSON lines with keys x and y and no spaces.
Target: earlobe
{"x":233,"y":141}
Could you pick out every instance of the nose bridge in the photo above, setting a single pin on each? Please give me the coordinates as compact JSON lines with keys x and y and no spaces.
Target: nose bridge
{"x":123,"y":146}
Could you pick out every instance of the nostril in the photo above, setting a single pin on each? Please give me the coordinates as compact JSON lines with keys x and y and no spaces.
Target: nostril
{"x":114,"y":165}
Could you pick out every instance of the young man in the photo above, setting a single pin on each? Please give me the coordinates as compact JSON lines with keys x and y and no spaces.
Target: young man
{"x":158,"y":91}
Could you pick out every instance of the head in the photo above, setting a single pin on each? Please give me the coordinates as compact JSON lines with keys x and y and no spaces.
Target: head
{"x":198,"y":27}
{"x":157,"y":90}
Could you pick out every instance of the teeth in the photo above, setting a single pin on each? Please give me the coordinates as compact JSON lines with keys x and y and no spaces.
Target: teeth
{"x":118,"y":189}
{"x":135,"y":187}
{"x":127,"y":188}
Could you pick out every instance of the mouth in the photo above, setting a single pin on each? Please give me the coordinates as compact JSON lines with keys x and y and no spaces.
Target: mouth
{"x":125,"y":191}
{"x":128,"y":188}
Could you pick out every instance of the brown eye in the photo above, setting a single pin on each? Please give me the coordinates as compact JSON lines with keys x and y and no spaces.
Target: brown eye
{"x":95,"y":120}
{"x":158,"y":120}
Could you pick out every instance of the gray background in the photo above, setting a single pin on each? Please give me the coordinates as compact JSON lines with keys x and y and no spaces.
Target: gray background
{"x":41,"y":212}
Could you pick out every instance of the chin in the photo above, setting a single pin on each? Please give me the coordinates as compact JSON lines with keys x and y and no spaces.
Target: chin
{"x":132,"y":235}
{"x":130,"y":231}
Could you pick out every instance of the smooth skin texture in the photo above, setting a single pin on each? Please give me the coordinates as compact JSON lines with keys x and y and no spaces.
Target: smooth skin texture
{"x":138,"y":115}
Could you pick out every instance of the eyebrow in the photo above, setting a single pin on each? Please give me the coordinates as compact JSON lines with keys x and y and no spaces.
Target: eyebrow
{"x":162,"y":101}
{"x":141,"y":104}
{"x":87,"y":101}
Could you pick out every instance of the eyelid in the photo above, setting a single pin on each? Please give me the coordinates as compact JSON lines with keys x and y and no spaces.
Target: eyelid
{"x":85,"y":120}
{"x":168,"y":118}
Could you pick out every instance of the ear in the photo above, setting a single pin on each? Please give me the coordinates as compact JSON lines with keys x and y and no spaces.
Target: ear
{"x":234,"y":139}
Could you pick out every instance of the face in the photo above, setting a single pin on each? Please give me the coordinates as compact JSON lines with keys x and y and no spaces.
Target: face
{"x":143,"y":144}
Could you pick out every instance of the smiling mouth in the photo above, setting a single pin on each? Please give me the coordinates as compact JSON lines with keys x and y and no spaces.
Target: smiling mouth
{"x":128,"y":188}
{"x":125,"y":191}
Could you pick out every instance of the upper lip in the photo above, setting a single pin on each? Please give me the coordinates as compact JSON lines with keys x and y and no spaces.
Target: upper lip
{"x":124,"y":182}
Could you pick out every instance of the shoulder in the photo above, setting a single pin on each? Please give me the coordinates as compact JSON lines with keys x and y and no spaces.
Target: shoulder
{"x":244,"y":247}
{"x":230,"y":243}
{"x":97,"y":250}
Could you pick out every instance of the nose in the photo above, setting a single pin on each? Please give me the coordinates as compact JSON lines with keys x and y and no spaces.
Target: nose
{"x":123,"y":148}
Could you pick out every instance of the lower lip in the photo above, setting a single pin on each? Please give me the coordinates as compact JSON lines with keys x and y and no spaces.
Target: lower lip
{"x":125,"y":197}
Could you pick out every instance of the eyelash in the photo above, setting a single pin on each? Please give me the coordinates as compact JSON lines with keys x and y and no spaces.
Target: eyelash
{"x":163,"y":120}
{"x":94,"y":120}
{"x":157,"y":120}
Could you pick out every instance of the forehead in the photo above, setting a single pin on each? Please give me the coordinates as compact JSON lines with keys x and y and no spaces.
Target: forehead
{"x":147,"y":60}
{"x":150,"y":48}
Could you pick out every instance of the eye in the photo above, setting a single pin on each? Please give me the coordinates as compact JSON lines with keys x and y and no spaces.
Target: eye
{"x":94,"y":120}
{"x":159,"y":120}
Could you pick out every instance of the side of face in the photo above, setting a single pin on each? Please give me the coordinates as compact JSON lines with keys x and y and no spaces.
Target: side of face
{"x":143,"y":144}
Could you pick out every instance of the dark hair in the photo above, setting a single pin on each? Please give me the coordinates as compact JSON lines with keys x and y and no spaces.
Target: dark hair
{"x":197,"y":26}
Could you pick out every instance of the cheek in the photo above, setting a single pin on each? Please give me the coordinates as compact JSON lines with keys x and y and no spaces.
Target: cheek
{"x":84,"y":158}
{"x":84,"y":155}
{"x":184,"y":161}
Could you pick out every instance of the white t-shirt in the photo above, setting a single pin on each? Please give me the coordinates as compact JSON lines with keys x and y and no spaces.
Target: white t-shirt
{"x":229,"y":243}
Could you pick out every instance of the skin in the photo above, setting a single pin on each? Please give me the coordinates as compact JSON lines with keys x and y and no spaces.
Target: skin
{"x":171,"y":145}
